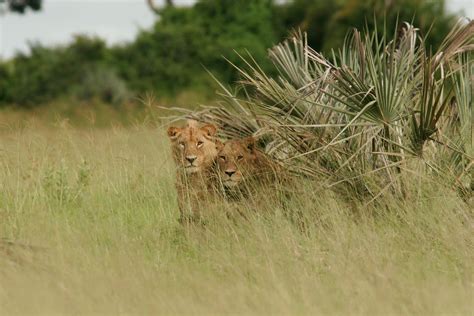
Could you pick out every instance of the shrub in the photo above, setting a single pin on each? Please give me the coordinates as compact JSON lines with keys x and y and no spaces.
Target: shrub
{"x":104,"y":84}
{"x":381,"y":108}
{"x":48,"y":73}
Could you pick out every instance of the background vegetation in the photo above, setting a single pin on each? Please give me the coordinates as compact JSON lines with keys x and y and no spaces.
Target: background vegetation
{"x":170,"y":59}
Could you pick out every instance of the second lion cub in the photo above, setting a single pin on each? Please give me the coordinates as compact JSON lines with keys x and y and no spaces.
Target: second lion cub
{"x":241,"y":166}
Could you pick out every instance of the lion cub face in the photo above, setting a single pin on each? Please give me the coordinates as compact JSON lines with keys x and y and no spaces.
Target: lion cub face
{"x":194,"y":148}
{"x":237,"y":159}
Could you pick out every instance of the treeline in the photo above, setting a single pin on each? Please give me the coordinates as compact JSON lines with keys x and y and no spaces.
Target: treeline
{"x":185,"y":41}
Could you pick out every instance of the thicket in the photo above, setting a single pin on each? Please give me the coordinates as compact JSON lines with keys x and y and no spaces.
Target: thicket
{"x":174,"y":55}
{"x":383,"y":109}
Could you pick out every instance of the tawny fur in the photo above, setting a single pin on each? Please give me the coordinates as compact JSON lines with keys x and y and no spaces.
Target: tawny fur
{"x":194,"y":152}
{"x":246,"y":172}
{"x":241,"y":165}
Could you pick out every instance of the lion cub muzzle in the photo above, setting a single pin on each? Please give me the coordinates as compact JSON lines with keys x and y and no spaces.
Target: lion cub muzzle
{"x":190,"y":164}
{"x":231,"y":177}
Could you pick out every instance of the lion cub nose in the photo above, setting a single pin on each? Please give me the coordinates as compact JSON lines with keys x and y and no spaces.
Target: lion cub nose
{"x":191,"y":158}
{"x":229,"y":173}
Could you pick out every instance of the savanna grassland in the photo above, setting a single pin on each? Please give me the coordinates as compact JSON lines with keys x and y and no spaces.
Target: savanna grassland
{"x":89,"y":221}
{"x":373,"y":214}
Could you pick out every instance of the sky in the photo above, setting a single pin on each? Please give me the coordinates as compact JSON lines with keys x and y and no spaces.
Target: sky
{"x":114,"y":20}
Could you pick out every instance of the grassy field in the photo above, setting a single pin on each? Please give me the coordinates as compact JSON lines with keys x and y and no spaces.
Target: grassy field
{"x":91,"y":215}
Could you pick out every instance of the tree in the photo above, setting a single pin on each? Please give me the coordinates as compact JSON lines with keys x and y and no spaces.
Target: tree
{"x":154,"y":7}
{"x":327,"y":22}
{"x":19,"y":6}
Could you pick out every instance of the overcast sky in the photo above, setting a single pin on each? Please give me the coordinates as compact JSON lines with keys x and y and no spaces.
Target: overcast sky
{"x":114,"y":20}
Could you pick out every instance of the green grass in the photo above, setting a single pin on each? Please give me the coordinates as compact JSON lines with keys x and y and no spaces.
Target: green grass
{"x":101,"y":206}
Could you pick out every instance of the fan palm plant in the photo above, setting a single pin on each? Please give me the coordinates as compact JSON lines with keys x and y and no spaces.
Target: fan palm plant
{"x":375,"y":110}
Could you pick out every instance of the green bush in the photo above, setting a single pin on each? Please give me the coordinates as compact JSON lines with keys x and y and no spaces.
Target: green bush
{"x":104,"y":84}
{"x":48,"y":73}
{"x":327,"y":22}
{"x":173,"y":56}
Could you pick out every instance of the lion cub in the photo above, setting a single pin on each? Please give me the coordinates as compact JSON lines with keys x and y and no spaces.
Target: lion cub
{"x":194,"y":152}
{"x":245,"y":172}
{"x":241,"y":166}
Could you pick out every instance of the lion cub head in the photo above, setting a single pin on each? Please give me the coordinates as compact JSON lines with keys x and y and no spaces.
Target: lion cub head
{"x":194,"y":147}
{"x":238,"y":160}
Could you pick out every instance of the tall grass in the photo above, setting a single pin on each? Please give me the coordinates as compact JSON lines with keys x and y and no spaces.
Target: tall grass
{"x":89,"y":221}
{"x":379,"y":137}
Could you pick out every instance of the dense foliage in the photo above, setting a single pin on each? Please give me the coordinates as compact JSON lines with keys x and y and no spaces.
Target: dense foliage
{"x":384,"y":107}
{"x":185,"y":41}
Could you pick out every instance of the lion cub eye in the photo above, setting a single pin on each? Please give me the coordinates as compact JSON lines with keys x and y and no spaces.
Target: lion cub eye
{"x":182,"y":144}
{"x":200,"y":143}
{"x":240,"y":157}
{"x":222,"y":158}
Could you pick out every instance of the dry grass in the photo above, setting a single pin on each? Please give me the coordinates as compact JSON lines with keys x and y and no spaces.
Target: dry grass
{"x":100,"y":209}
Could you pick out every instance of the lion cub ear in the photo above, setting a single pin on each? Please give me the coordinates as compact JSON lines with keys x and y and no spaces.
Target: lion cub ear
{"x":209,"y":130}
{"x":174,"y":132}
{"x":249,"y":143}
